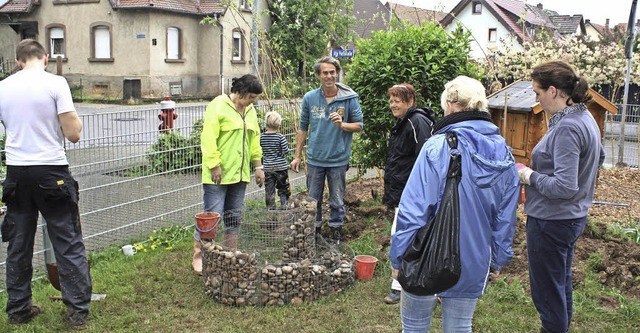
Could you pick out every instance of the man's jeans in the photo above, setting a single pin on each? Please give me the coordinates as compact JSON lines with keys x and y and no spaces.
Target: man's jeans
{"x":336,"y":178}
{"x":228,"y":201}
{"x":416,"y":312}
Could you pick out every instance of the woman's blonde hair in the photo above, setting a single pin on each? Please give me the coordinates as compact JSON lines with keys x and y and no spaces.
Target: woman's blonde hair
{"x":273,"y":120}
{"x":467,"y":92}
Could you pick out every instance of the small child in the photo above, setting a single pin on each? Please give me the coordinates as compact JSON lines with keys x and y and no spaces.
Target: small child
{"x":276,"y":169}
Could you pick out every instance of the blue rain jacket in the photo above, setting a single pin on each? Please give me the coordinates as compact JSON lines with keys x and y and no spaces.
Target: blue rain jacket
{"x":488,"y":200}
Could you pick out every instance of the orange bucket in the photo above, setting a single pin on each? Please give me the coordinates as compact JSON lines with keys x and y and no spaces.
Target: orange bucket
{"x":365,"y":265}
{"x":207,"y":225}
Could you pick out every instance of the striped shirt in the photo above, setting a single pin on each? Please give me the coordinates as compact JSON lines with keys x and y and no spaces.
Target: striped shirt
{"x":274,"y":151}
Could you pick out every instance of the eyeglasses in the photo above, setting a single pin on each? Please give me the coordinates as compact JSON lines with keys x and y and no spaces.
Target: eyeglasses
{"x":400,"y":86}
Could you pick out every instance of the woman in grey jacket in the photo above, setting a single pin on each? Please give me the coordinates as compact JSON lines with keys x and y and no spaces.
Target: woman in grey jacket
{"x":559,"y":189}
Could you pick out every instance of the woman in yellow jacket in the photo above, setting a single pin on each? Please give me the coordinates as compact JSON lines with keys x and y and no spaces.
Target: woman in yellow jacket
{"x":230,"y":141}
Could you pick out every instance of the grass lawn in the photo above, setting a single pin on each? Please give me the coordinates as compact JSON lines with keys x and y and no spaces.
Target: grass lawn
{"x":156,"y":291}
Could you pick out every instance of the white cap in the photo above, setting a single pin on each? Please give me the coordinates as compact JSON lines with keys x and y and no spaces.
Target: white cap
{"x":167,"y":105}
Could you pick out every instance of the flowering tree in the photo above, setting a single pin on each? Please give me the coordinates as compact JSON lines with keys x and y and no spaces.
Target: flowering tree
{"x":602,"y":64}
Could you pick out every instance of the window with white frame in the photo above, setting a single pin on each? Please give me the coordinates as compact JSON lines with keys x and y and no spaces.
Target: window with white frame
{"x":174,"y":48}
{"x":476,"y":7}
{"x":493,"y":35}
{"x":245,"y":4}
{"x":56,"y":42}
{"x":237,"y":49}
{"x":101,"y":35}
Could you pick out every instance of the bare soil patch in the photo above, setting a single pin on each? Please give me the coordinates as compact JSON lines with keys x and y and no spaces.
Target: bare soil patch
{"x":620,"y":264}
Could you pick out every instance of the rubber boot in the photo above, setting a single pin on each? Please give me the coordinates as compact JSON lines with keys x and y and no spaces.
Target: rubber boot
{"x":197,"y":258}
{"x":336,"y":232}
{"x":283,"y":201}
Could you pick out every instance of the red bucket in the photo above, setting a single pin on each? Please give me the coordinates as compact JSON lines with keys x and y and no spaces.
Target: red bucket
{"x":365,"y":265}
{"x":207,"y":225}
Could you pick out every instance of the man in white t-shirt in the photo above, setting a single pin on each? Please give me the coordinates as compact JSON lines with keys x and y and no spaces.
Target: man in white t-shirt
{"x":37,"y":111}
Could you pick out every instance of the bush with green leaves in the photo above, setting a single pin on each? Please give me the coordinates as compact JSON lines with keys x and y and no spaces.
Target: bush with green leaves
{"x":425,"y":56}
{"x":173,"y":152}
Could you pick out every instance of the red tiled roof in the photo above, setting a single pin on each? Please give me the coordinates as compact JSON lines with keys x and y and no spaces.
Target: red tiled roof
{"x":598,"y":27}
{"x":507,"y":12}
{"x":623,"y":26}
{"x":199,"y":7}
{"x":520,"y":9}
{"x":16,"y":6}
{"x":504,"y":17}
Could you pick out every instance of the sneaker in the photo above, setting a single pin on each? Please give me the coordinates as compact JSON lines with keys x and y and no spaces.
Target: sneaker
{"x":77,"y":321}
{"x":18,"y":319}
{"x":393,"y":297}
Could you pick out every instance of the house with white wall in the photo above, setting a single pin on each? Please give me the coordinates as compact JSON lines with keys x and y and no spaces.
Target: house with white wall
{"x":499,"y":23}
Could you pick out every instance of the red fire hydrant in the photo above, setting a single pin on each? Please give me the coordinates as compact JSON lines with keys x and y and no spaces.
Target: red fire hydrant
{"x":168,"y":115}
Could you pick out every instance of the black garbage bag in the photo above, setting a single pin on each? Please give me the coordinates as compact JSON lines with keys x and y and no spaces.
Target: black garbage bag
{"x":432,"y":263}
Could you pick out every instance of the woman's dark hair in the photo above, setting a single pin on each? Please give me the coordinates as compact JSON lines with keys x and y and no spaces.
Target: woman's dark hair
{"x":247,"y":84}
{"x":561,"y":75}
{"x":405,"y":91}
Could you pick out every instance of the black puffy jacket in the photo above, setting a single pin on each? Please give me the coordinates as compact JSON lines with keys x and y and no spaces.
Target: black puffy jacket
{"x":406,"y":139}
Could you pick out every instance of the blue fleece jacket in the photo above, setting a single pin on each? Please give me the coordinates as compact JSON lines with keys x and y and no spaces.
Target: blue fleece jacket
{"x":488,"y":199}
{"x":327,"y":145}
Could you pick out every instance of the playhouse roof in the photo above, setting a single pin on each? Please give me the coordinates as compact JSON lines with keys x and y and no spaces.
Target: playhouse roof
{"x":520,"y":97}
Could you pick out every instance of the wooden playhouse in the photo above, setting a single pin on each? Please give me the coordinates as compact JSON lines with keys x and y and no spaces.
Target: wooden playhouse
{"x":522,"y":121}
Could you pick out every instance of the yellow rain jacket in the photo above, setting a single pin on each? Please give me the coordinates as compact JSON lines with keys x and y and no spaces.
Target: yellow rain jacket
{"x":229,"y":140}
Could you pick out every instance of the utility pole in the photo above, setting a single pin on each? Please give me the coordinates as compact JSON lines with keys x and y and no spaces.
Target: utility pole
{"x":628,"y":53}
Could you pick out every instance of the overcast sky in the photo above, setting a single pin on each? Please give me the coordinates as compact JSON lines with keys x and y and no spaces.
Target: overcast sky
{"x":595,"y":10}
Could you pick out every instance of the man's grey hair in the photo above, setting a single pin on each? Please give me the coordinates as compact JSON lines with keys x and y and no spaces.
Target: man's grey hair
{"x":327,"y":60}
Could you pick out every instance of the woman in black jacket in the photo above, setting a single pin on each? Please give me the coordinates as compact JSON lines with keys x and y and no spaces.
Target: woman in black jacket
{"x":410,"y":132}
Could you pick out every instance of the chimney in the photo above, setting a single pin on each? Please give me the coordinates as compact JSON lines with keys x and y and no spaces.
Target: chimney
{"x":587,"y":21}
{"x":606,"y":24}
{"x":539,"y":6}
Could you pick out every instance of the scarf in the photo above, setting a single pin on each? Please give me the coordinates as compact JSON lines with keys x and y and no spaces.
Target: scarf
{"x":459,"y":116}
{"x":555,"y":119}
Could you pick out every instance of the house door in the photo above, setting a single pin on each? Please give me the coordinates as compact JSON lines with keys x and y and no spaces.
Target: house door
{"x":131,"y":89}
{"x":516,"y":133}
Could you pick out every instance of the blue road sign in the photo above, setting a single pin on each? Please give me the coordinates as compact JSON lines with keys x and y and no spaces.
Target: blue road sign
{"x":342,"y":53}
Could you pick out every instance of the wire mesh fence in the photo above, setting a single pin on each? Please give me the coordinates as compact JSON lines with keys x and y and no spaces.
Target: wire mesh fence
{"x":278,"y":259}
{"x":621,"y":138}
{"x":134,"y":178}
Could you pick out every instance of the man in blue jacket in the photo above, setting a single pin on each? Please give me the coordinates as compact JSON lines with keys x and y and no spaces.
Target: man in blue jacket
{"x":330,"y":115}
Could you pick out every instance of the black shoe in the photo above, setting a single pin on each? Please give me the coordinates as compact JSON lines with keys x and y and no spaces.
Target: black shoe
{"x":77,"y":321}
{"x":335,"y":234}
{"x":23,"y":318}
{"x":393,"y":297}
